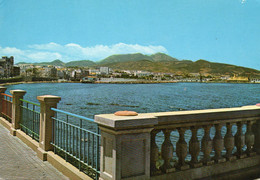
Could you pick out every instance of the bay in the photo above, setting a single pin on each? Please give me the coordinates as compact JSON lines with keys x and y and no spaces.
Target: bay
{"x":91,"y":99}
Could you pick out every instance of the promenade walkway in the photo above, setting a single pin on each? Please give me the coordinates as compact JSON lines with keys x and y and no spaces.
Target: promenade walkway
{"x":18,"y":161}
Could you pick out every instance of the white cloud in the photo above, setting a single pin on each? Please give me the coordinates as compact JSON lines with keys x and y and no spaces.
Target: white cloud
{"x":10,"y":50}
{"x":243,"y":1}
{"x":72,"y":51}
{"x":43,"y":56}
{"x":28,"y":55}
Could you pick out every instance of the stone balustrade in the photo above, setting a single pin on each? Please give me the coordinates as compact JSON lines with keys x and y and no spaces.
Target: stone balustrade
{"x":180,"y":145}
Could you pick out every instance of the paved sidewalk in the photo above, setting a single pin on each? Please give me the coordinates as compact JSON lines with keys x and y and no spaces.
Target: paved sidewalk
{"x":18,"y":161}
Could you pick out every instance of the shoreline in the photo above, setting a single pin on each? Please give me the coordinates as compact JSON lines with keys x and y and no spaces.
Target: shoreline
{"x":123,"y":82}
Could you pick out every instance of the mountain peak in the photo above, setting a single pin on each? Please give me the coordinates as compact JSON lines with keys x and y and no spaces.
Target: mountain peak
{"x":158,"y":57}
{"x":124,"y":58}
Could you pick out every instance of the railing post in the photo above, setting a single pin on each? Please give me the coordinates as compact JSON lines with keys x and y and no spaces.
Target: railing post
{"x":45,"y":137}
{"x":167,"y":152}
{"x":249,"y":139}
{"x":206,"y":146}
{"x":154,"y":153}
{"x":2,"y":90}
{"x":125,"y":146}
{"x":16,"y":110}
{"x":218,"y":144}
{"x":256,"y":130}
{"x":181,"y":150}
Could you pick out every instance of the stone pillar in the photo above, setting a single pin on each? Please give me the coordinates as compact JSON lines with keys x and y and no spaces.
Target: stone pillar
{"x":218,"y":144}
{"x":154,"y":154}
{"x":194,"y":148}
{"x":167,"y":152}
{"x":249,"y":139}
{"x":16,"y":110}
{"x":125,"y":146}
{"x":2,"y":90}
{"x":206,"y":146}
{"x":256,"y":130}
{"x":240,"y":141}
{"x":229,"y":143}
{"x":182,"y":150}
{"x":45,"y":137}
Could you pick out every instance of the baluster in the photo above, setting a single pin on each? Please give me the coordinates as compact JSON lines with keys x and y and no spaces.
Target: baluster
{"x":154,"y":153}
{"x":206,"y":146}
{"x":167,"y":152}
{"x":250,"y":139}
{"x":240,"y":141}
{"x":181,"y":150}
{"x":218,"y":144}
{"x":194,"y":148}
{"x":229,"y":142}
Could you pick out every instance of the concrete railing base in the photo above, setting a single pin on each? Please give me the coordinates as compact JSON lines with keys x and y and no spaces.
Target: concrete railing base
{"x":246,"y":173}
{"x":66,"y":168}
{"x":13,"y":131}
{"x":42,"y":154}
{"x":228,"y":170}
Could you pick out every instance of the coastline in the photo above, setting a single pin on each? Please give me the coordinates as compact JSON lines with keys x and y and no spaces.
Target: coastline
{"x":133,"y":82}
{"x":98,"y":82}
{"x":123,"y":82}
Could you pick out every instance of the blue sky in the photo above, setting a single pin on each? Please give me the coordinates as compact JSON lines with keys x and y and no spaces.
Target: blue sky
{"x":216,"y":30}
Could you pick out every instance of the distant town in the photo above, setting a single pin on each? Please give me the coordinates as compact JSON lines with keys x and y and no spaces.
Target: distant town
{"x":9,"y":72}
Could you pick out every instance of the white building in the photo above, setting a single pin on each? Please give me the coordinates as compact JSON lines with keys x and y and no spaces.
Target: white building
{"x":104,"y":70}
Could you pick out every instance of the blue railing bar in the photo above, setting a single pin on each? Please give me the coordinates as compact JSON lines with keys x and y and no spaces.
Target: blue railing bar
{"x":93,"y":153}
{"x":74,"y":126}
{"x":97,"y":152}
{"x":80,"y":143}
{"x":30,"y":102}
{"x":74,"y":157}
{"x":84,"y":145}
{"x":71,"y":114}
{"x":88,"y":152}
{"x":67,"y":136}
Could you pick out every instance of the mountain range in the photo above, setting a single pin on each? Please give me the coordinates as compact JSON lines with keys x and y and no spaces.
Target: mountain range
{"x":158,"y":62}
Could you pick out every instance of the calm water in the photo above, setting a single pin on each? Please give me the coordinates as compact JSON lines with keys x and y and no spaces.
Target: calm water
{"x":91,"y":99}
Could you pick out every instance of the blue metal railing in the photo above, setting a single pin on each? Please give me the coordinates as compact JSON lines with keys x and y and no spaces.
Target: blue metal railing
{"x":77,"y":139}
{"x":30,"y":122}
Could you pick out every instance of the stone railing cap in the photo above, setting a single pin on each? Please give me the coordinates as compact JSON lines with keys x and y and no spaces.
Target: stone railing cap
{"x":17,"y":91}
{"x":113,"y":121}
{"x":177,"y":117}
{"x":49,"y":98}
{"x":2,"y":89}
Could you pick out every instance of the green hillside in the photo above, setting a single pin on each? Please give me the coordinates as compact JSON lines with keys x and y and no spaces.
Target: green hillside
{"x":158,"y":57}
{"x":82,"y":63}
{"x":124,"y":58}
{"x":162,"y":57}
{"x":158,"y":62}
{"x":200,"y":66}
{"x":56,"y":62}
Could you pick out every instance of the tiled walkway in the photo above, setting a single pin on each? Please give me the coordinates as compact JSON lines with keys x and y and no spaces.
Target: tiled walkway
{"x":18,"y":161}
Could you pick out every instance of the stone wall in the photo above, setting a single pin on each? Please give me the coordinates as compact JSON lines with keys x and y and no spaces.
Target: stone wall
{"x":213,"y":144}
